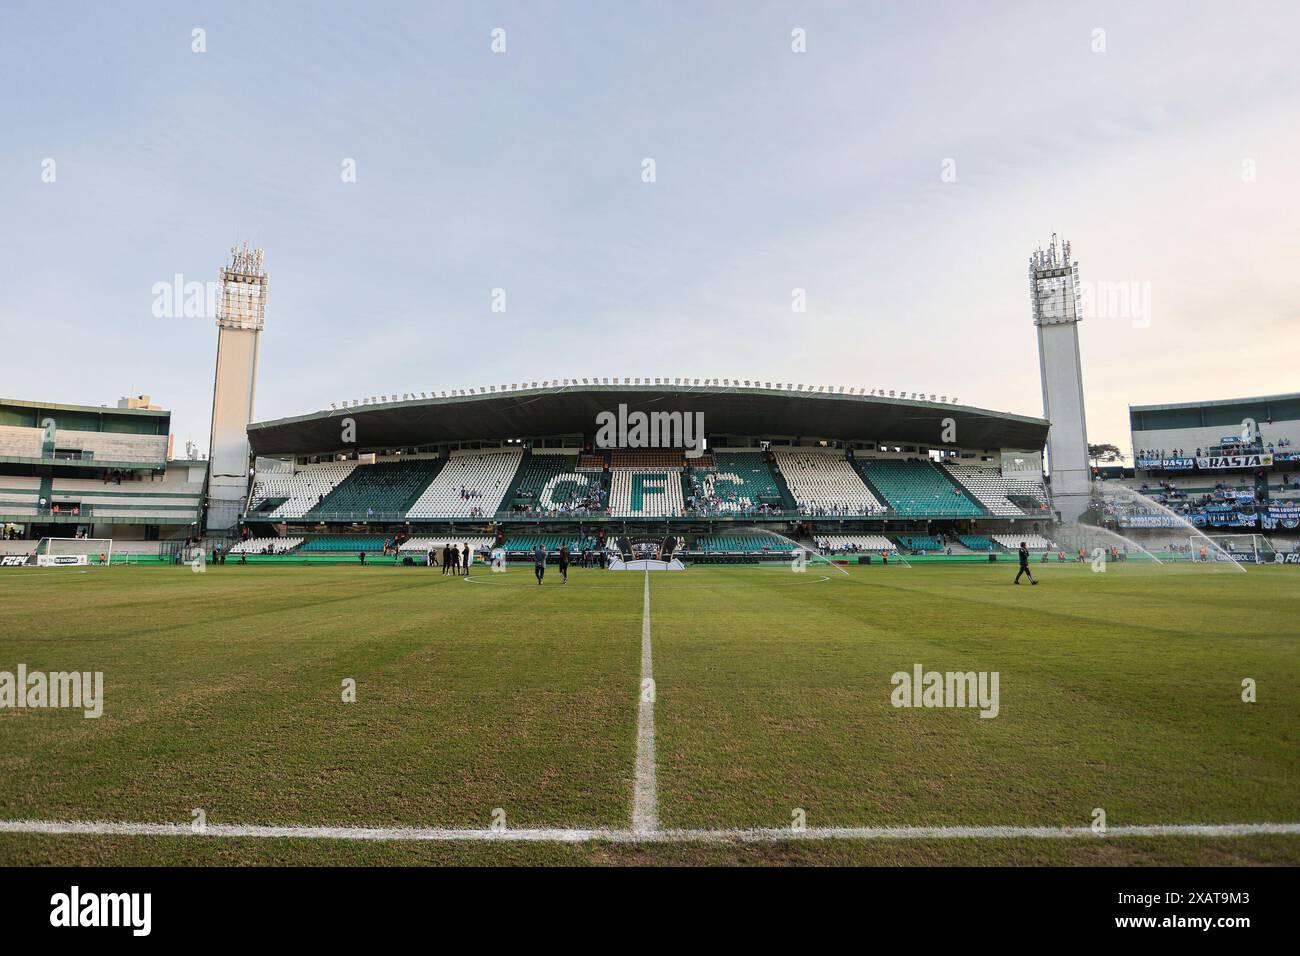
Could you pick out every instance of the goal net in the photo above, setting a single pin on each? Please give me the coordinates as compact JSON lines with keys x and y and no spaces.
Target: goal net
{"x":1249,"y":548}
{"x":64,"y":552}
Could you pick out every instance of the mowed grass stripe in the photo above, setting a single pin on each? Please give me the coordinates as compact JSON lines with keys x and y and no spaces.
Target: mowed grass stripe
{"x":784,"y":703}
{"x":467,"y":701}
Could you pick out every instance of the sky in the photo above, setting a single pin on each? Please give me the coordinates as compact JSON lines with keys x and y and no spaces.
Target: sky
{"x":899,"y":170}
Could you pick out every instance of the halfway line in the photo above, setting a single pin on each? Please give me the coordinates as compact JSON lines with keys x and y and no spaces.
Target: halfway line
{"x":645,"y":797}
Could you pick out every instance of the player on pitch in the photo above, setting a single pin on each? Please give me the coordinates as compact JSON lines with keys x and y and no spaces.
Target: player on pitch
{"x":1024,"y":564}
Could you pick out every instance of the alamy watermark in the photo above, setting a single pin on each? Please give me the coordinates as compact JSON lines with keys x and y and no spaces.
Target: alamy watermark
{"x":130,"y":910}
{"x":624,"y":429}
{"x":922,"y":688}
{"x":38,"y":690}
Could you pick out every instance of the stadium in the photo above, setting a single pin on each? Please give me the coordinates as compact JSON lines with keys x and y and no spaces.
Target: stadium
{"x":654,"y":619}
{"x":511,"y":467}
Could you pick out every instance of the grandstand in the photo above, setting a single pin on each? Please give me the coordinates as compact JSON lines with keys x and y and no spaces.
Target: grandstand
{"x":383,"y":488}
{"x":646,"y":492}
{"x":526,"y":544}
{"x":919,"y":542}
{"x":522,"y":465}
{"x":291,"y":495}
{"x":19,"y":496}
{"x":456,"y":466}
{"x":425,"y":544}
{"x":740,"y":543}
{"x":266,"y":545}
{"x":737,"y":483}
{"x":1225,"y":465}
{"x":470,"y":484}
{"x":842,"y":543}
{"x":1035,"y":542}
{"x":95,"y":472}
{"x":917,"y":489}
{"x":999,"y":495}
{"x":823,"y":482}
{"x":551,"y":484}
{"x":345,"y":543}
{"x":445,"y":469}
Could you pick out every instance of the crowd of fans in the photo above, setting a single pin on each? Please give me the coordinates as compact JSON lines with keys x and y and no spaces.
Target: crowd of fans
{"x":707,"y":498}
{"x":580,"y":501}
{"x":1259,"y":446}
{"x":836,"y":511}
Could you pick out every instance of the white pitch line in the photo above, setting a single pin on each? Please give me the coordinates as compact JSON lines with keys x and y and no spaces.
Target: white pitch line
{"x":562,"y":835}
{"x":645,"y":795}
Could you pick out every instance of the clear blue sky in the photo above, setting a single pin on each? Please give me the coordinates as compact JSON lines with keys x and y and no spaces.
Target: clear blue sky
{"x":775,"y":171}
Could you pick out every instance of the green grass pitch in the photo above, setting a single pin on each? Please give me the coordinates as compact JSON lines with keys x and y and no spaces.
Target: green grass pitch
{"x":223,"y":691}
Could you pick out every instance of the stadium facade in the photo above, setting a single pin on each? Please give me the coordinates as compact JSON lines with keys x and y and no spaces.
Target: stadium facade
{"x":517,"y":463}
{"x":1228,"y":466}
{"x":97,"y":472}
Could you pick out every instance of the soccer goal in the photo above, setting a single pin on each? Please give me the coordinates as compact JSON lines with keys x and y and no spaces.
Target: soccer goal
{"x":68,"y":552}
{"x":1251,"y":548}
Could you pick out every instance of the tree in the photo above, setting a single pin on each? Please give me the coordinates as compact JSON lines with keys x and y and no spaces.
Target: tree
{"x":1107,"y":453}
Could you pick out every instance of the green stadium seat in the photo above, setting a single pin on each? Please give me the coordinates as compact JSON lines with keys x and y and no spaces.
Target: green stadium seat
{"x":917,"y":489}
{"x":919,"y":542}
{"x":738,"y":483}
{"x":385,"y":488}
{"x":345,"y":543}
{"x":549,"y":542}
{"x":552,"y":484}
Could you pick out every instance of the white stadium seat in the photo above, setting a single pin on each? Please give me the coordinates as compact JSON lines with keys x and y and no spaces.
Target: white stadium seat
{"x":660,"y":492}
{"x":424,"y":545}
{"x":991,"y":489}
{"x":271,"y":545}
{"x":874,"y":543}
{"x":485,"y":475}
{"x":303,"y":489}
{"x":1035,"y":542}
{"x":825,"y":480}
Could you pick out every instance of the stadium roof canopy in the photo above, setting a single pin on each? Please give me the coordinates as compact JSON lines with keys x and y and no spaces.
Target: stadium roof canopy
{"x":1226,"y":412}
{"x":571,"y":410}
{"x":30,"y":414}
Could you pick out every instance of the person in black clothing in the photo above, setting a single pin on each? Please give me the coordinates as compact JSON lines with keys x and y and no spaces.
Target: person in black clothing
{"x":1024,"y":564}
{"x":539,"y":563}
{"x":564,"y":563}
{"x":466,"y":557}
{"x":362,"y":556}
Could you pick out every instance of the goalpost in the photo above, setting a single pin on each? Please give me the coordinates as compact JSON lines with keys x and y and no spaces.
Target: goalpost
{"x":69,"y":552}
{"x":1254,"y":548}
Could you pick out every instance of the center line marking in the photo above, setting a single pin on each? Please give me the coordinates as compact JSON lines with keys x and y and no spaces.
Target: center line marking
{"x":645,"y":796}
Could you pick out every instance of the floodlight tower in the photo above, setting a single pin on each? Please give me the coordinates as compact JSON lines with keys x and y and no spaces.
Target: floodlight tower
{"x":240,"y":317}
{"x":1054,"y":296}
